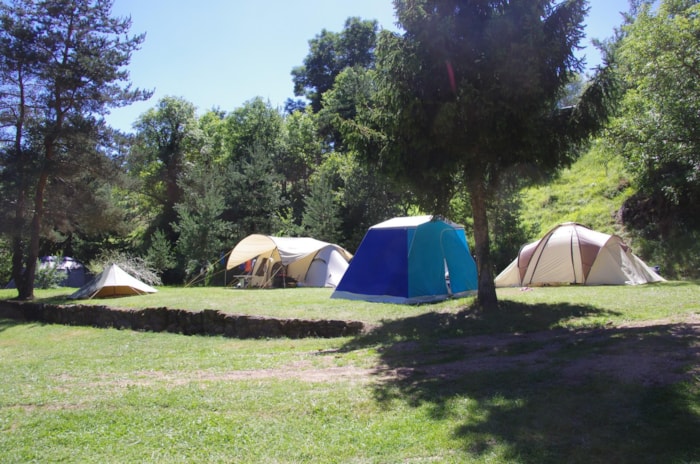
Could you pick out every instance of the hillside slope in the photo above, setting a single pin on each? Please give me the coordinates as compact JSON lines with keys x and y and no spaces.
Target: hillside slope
{"x":590,"y":192}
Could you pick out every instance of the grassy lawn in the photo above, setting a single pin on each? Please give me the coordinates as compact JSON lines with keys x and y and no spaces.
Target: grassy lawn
{"x":567,"y":374}
{"x":587,"y":305}
{"x":303,"y":303}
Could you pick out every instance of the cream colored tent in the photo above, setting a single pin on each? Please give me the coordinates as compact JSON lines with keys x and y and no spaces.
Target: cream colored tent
{"x":112,"y":282}
{"x":574,"y":254}
{"x":306,"y":261}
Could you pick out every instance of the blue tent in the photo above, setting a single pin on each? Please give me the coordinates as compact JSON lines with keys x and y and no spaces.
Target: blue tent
{"x":410,"y":260}
{"x":76,"y":275}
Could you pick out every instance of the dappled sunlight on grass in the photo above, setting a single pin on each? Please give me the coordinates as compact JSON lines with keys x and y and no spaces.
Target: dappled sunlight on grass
{"x":550,"y":395}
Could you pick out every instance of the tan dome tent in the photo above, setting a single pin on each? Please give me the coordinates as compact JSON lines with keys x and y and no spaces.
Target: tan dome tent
{"x":112,"y":282}
{"x":306,"y":261}
{"x":574,"y":254}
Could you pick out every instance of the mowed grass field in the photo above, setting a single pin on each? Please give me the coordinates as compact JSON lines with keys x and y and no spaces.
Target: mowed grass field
{"x":567,"y":374}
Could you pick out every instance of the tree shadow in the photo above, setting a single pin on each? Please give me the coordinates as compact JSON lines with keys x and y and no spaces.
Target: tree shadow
{"x":516,"y":389}
{"x":7,"y":324}
{"x":511,"y":317}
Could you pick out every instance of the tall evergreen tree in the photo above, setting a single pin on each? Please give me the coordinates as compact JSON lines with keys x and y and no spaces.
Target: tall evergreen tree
{"x":472,"y":88}
{"x":253,"y":194}
{"x":303,"y":151}
{"x":202,"y":231}
{"x":62,"y":66}
{"x":253,"y":145}
{"x":321,"y":215}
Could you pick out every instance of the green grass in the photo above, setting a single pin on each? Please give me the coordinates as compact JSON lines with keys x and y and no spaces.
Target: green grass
{"x":611,"y":303}
{"x":432,"y":383}
{"x":305,"y":303}
{"x":590,"y":192}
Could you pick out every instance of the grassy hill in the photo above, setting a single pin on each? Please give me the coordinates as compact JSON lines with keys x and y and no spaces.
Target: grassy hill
{"x":590,"y":192}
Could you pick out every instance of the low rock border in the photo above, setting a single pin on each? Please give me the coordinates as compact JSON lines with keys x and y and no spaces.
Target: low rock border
{"x":205,"y":322}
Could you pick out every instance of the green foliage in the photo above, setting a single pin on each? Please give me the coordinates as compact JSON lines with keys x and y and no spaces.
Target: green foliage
{"x":253,"y":194}
{"x":507,"y":230}
{"x":160,"y":254}
{"x":63,"y":67}
{"x":286,"y":225}
{"x":5,"y":263}
{"x":468,"y":92}
{"x":658,"y":128}
{"x":329,"y":54}
{"x":304,"y":150}
{"x":366,"y":197}
{"x":478,"y":90}
{"x":677,"y":259}
{"x":202,"y":231}
{"x":167,"y":136}
{"x":254,"y":125}
{"x":49,"y":276}
{"x":321,"y":215}
{"x":352,"y":89}
{"x":590,"y":192}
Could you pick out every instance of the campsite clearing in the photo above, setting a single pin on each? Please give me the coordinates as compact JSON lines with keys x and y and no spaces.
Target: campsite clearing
{"x":578,"y":374}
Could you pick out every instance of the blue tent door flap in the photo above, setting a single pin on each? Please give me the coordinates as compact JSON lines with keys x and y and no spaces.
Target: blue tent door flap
{"x":439,"y":254}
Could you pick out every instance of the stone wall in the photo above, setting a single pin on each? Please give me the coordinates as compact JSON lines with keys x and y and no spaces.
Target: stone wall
{"x":206,"y":322}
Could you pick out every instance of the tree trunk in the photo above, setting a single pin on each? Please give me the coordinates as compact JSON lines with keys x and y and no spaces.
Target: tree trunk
{"x":486,"y":296}
{"x":25,"y":287}
{"x":20,"y":271}
{"x":18,"y":243}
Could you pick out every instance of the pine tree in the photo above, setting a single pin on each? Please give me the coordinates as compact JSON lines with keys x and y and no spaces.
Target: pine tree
{"x":321,"y":216}
{"x":61,"y":69}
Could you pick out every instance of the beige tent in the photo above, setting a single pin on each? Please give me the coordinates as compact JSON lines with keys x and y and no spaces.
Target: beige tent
{"x":303,"y":260}
{"x":112,"y":282}
{"x":574,"y":254}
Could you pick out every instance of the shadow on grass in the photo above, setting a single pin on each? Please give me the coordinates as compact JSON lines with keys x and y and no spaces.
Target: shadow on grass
{"x":511,"y":317}
{"x":6,"y":324}
{"x":518,"y":392}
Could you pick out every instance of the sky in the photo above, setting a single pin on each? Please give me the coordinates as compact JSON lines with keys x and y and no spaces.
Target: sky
{"x":222,"y":53}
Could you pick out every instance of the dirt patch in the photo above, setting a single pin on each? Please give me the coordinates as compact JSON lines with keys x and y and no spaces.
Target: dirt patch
{"x":650,"y":352}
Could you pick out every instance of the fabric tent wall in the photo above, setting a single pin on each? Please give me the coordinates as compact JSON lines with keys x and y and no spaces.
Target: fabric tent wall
{"x":325,"y":269}
{"x":408,"y":260}
{"x":574,"y":254}
{"x":303,"y":259}
{"x":111,"y":282}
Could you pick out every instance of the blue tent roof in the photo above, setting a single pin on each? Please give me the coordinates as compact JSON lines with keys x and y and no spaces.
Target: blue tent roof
{"x":410,"y":260}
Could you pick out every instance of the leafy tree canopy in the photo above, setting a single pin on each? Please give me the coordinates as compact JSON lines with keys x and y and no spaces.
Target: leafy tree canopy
{"x":166,"y":137}
{"x":658,"y":130}
{"x":330,"y":53}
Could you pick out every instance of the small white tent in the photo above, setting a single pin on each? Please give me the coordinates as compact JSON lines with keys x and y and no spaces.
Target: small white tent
{"x":112,"y":282}
{"x":306,"y":261}
{"x":574,"y":254}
